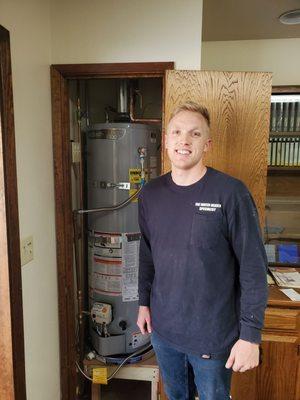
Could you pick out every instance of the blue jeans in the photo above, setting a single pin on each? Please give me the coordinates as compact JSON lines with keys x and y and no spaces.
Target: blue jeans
{"x":184,"y":374}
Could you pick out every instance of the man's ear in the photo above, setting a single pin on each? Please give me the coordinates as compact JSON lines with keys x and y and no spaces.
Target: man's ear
{"x":207,"y":145}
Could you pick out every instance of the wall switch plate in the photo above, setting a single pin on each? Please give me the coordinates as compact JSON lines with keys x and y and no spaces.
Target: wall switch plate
{"x":26,"y":250}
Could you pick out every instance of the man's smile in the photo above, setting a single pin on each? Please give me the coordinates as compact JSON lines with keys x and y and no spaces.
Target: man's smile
{"x":183,"y":151}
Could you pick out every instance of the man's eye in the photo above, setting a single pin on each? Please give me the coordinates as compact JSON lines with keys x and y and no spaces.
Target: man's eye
{"x":196,"y":134}
{"x":176,"y":132}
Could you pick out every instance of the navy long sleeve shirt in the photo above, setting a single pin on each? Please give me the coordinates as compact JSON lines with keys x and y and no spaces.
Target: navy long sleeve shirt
{"x":202,"y":264}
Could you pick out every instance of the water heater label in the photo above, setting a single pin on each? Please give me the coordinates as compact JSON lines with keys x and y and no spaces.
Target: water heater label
{"x":107,"y":266}
{"x":130,"y":258}
{"x":110,"y":285}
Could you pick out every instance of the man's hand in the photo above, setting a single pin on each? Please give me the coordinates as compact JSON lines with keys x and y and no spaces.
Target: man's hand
{"x":144,"y":320}
{"x":243,"y":356}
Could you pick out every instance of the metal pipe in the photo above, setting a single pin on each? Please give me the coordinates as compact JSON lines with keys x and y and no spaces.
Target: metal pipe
{"x":87,"y":105}
{"x":112,"y":208}
{"x":131,"y":112}
{"x":123,"y":97}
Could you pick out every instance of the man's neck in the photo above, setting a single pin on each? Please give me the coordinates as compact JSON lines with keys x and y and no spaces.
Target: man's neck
{"x":188,"y":177}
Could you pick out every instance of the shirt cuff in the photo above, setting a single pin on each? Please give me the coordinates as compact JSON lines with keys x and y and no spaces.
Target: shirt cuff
{"x":144,"y":300}
{"x":250,"y":334}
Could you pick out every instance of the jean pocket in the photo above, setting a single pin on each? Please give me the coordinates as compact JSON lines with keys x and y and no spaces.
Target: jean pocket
{"x":206,"y":230}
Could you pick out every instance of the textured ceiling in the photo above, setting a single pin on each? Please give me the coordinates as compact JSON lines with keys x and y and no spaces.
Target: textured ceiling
{"x":243,"y":20}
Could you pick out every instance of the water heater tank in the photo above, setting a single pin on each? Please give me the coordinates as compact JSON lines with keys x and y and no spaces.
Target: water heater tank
{"x":113,"y":169}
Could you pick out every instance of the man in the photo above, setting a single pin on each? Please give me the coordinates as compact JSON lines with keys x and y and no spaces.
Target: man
{"x":202,"y":276}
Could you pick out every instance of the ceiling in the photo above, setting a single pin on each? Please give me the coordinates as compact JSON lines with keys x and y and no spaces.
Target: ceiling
{"x":244,"y":20}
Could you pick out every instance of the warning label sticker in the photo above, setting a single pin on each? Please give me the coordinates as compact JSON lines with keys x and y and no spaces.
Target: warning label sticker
{"x":130,"y":253}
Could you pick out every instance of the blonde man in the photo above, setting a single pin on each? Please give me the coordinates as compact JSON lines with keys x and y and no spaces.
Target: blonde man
{"x":202,"y":276}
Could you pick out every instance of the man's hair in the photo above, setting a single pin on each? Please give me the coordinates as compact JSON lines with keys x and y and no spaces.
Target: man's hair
{"x":194,"y":107}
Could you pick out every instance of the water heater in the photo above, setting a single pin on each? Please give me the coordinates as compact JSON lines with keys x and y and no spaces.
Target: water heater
{"x":117,"y":156}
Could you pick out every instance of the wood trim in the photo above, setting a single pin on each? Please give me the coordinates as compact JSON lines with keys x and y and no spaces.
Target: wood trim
{"x":290,"y":89}
{"x":63,"y":210}
{"x":113,"y":70}
{"x":13,"y":375}
{"x":64,"y":233}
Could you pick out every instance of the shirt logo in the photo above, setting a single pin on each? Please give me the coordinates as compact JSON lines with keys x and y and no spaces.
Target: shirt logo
{"x":208,"y":206}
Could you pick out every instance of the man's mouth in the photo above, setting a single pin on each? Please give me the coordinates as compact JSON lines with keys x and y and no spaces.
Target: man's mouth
{"x":183,"y":151}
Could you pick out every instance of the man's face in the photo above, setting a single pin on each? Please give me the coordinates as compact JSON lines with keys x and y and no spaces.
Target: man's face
{"x":187,"y":140}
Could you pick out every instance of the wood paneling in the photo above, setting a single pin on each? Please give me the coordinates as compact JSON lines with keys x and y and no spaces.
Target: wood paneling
{"x":12,"y":366}
{"x":64,"y":234}
{"x":239,"y":105}
{"x":283,"y":185}
{"x":274,"y":379}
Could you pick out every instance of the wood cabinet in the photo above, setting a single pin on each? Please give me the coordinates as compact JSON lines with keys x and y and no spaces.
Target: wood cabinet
{"x":239,"y":105}
{"x":278,"y":377}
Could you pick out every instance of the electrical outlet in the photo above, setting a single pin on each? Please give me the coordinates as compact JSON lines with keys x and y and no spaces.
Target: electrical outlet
{"x":26,"y":250}
{"x":76,"y":152}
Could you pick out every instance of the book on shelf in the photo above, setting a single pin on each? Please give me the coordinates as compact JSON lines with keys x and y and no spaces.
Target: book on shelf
{"x":297,"y":117}
{"x":291,"y":117}
{"x":285,"y":116}
{"x":284,"y":151}
{"x":286,"y":277}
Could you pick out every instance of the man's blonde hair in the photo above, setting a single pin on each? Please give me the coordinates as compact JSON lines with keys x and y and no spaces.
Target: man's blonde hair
{"x":194,"y":107}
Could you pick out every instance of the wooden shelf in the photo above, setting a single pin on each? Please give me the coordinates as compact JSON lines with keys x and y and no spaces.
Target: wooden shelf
{"x":284,"y":200}
{"x":283,"y":236}
{"x":284,"y":133}
{"x":277,"y":298}
{"x":272,"y":170}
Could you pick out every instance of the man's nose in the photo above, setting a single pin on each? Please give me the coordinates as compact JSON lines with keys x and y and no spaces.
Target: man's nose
{"x":184,"y":138}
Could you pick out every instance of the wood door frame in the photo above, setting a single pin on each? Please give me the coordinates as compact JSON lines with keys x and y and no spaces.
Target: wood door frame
{"x":12,"y":376}
{"x":60,"y":74}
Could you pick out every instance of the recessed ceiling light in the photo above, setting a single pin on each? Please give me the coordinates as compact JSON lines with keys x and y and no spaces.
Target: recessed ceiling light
{"x":290,"y":17}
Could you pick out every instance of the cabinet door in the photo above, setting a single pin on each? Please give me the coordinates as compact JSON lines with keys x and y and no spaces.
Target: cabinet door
{"x":239,"y":105}
{"x":275,"y":379}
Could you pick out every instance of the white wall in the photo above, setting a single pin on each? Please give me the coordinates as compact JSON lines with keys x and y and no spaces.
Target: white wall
{"x":29,"y":26}
{"x":95,"y":31}
{"x":82,"y":32}
{"x":280,"y":56}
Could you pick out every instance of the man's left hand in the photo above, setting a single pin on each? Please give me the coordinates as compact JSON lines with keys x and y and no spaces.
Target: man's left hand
{"x":243,"y":356}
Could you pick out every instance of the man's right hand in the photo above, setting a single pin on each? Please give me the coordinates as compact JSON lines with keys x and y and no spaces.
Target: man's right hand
{"x":144,"y":320}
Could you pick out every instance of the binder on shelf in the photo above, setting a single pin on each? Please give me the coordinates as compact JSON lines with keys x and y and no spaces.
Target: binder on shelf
{"x":285,"y":117}
{"x":296,"y":152}
{"x":273,"y":117}
{"x":274,"y":148}
{"x":283,"y":143}
{"x":291,"y":118}
{"x":279,"y":115}
{"x":278,"y":152}
{"x":292,"y":149}
{"x":297,"y":117}
{"x":287,"y":152}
